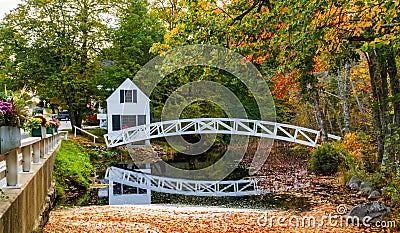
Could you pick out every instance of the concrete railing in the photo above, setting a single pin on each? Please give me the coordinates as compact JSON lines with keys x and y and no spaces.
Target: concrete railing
{"x":30,"y":152}
{"x":26,"y":179}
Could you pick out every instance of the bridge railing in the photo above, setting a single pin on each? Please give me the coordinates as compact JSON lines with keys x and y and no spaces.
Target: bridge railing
{"x":30,"y":152}
{"x":184,"y":186}
{"x":84,"y":131}
{"x":245,"y":127}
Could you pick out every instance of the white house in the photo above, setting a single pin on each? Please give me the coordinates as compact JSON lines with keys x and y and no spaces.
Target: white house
{"x":120,"y":194}
{"x":127,"y":107}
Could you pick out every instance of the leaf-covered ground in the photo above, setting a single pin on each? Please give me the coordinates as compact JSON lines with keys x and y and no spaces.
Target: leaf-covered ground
{"x":278,"y":212}
{"x":321,"y":201}
{"x":162,"y":218}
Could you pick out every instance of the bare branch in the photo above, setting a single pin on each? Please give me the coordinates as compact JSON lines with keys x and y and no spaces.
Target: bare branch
{"x":225,"y":12}
{"x":390,"y":25}
{"x":241,"y":16}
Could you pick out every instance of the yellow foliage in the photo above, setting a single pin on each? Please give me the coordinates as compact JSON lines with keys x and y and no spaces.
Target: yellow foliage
{"x":359,"y":145}
{"x":352,"y":145}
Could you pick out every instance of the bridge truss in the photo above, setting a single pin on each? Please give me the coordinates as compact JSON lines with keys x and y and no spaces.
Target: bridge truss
{"x":184,"y":186}
{"x":257,"y":128}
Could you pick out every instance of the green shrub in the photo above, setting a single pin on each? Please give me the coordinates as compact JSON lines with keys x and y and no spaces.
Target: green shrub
{"x":98,"y":132}
{"x":326,"y":159}
{"x":72,"y":169}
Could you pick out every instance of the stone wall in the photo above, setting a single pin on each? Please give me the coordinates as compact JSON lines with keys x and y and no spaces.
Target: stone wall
{"x":22,"y":211}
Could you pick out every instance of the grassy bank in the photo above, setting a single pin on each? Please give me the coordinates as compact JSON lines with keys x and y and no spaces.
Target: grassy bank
{"x":72,"y":169}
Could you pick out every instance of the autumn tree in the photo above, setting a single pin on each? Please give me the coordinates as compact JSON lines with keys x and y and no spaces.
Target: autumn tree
{"x":168,"y":11}
{"x":286,"y":36}
{"x":370,"y":27}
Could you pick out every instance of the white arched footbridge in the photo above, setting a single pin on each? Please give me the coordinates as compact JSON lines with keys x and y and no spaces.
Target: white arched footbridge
{"x":257,"y":128}
{"x":184,"y":186}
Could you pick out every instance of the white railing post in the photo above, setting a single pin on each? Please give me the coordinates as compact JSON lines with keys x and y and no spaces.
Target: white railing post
{"x":42,"y":148}
{"x":26,"y":158}
{"x":12,"y":168}
{"x":52,"y":143}
{"x":46,"y":146}
{"x":49,"y":144}
{"x":36,"y":152}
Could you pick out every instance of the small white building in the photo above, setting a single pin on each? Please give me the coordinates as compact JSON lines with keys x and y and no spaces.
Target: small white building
{"x":120,"y":194}
{"x":127,"y":107}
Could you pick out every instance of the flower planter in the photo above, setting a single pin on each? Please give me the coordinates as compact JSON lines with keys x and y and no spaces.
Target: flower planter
{"x":10,"y":138}
{"x":39,"y":132}
{"x":49,"y":130}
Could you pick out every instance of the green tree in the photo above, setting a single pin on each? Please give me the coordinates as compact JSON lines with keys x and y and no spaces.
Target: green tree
{"x":131,"y":40}
{"x":54,"y":46}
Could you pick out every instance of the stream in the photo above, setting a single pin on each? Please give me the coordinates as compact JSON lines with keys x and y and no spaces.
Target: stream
{"x":284,"y":201}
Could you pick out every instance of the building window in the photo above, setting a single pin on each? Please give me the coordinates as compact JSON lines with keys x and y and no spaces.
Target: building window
{"x":128,"y":96}
{"x":141,"y":120}
{"x":116,"y":122}
{"x":128,"y":121}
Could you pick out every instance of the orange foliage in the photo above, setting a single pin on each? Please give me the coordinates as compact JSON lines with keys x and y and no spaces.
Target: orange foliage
{"x":187,"y":219}
{"x":285,"y":85}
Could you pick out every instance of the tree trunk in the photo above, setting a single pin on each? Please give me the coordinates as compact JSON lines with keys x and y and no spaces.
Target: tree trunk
{"x":373,"y":73}
{"x":76,"y":120}
{"x":384,"y":92}
{"x":346,"y":111}
{"x":360,"y":105}
{"x":53,"y":110}
{"x":395,"y":89}
{"x":320,"y":115}
{"x":388,"y":156}
{"x":329,"y":118}
{"x":395,"y":86}
{"x":336,"y":117}
{"x":344,"y":96}
{"x":74,"y":116}
{"x":388,"y":70}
